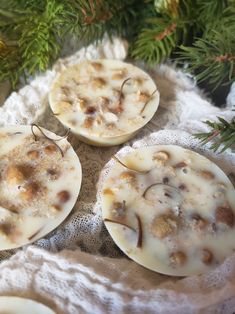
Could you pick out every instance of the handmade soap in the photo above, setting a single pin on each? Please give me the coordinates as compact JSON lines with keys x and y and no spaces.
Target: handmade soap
{"x":170,"y":209}
{"x":104,"y":102}
{"x":40,"y":179}
{"x":16,"y":305}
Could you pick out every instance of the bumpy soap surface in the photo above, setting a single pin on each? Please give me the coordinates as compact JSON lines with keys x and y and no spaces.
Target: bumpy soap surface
{"x":16,"y":305}
{"x":170,"y":209}
{"x":40,"y":178}
{"x":104,"y":99}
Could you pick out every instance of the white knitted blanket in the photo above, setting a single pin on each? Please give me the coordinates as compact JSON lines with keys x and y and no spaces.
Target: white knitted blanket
{"x":93,"y":276}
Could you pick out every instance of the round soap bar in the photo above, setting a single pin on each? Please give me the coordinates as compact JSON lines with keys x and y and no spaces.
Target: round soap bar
{"x":170,"y":209}
{"x":16,"y":305}
{"x":104,"y":102}
{"x":40,"y":179}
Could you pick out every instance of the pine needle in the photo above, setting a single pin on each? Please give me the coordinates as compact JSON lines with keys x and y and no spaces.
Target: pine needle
{"x":221,"y":135}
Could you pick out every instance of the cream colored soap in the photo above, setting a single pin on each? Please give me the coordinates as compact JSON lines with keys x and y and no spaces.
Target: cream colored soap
{"x":170,"y":209}
{"x":104,"y":102}
{"x":16,"y":305}
{"x":40,"y":179}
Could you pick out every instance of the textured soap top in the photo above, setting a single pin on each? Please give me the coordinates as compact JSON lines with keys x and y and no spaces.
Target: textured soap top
{"x":105,"y":98}
{"x":40,"y":178}
{"x":170,"y":209}
{"x":16,"y":305}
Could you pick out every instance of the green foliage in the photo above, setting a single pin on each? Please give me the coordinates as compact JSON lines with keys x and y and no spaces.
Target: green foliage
{"x":38,"y":44}
{"x":156,"y":41}
{"x":163,"y":32}
{"x":223,"y":134}
{"x":33,"y":32}
{"x":206,"y":9}
{"x":38,"y":29}
{"x":212,"y":61}
{"x":204,"y":31}
{"x":9,"y":62}
{"x":212,"y":57}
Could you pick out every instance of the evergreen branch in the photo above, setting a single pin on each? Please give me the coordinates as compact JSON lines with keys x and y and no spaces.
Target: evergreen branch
{"x":223,"y":133}
{"x":33,"y":32}
{"x":22,"y":5}
{"x":9,"y":61}
{"x":38,"y":45}
{"x":37,"y":42}
{"x":112,"y":17}
{"x":207,"y":8}
{"x":212,"y":60}
{"x":156,"y":42}
{"x":9,"y":18}
{"x":39,"y":29}
{"x":161,"y":34}
{"x":223,"y":21}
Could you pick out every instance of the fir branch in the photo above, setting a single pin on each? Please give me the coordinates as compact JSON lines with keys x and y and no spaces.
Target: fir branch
{"x":212,"y":57}
{"x":157,"y":41}
{"x":34,"y":31}
{"x":22,"y":5}
{"x":207,"y":8}
{"x":223,"y":21}
{"x":95,"y":18}
{"x":163,"y":33}
{"x":223,"y":133}
{"x":9,"y":61}
{"x":212,"y":61}
{"x":38,"y":44}
{"x":39,"y":29}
